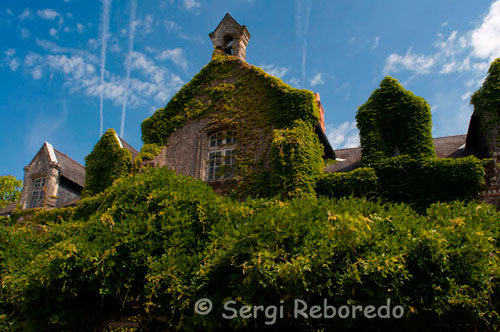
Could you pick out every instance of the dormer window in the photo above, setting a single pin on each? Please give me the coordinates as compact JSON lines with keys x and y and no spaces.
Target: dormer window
{"x":37,"y":193}
{"x":221,"y":155}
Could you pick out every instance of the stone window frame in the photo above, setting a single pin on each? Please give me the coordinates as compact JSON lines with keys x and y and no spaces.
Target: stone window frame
{"x":37,"y":192}
{"x":219,"y":148}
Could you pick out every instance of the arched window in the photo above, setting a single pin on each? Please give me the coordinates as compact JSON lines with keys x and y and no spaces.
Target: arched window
{"x":37,"y":192}
{"x":228,"y":44}
{"x":221,"y":155}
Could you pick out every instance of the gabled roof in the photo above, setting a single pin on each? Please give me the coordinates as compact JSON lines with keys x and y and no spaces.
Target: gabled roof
{"x":228,"y":19}
{"x":70,"y":169}
{"x":445,"y":147}
{"x":129,"y":147}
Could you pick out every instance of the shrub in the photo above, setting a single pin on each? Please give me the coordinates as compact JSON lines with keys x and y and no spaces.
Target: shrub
{"x":422,"y":182}
{"x":394,"y":121}
{"x":106,"y":163}
{"x":360,"y":182}
{"x":161,"y":242}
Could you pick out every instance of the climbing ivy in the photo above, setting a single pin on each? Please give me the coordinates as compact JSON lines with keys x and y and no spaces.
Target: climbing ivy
{"x":486,"y":103}
{"x":236,"y":95}
{"x":106,"y":163}
{"x":294,"y":172}
{"x":394,"y":121}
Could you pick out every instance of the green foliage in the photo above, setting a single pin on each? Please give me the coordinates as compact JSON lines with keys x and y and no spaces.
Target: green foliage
{"x":148,"y":152}
{"x":163,"y":241}
{"x":394,"y":121}
{"x":238,"y":96}
{"x":106,"y":163}
{"x":10,"y":190}
{"x":362,"y":182}
{"x":296,"y":160}
{"x":486,"y":103}
{"x":422,"y":182}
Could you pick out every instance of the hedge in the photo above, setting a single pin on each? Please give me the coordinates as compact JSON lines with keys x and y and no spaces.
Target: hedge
{"x":361,"y":182}
{"x":159,"y":242}
{"x":422,"y":182}
{"x":394,"y":121}
{"x":106,"y":163}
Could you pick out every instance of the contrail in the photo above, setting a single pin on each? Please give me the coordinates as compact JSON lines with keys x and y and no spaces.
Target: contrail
{"x":131,"y":35}
{"x":302,"y":25}
{"x":104,"y":41}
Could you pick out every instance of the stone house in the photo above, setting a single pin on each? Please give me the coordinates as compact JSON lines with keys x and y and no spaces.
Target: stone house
{"x":53,"y":180}
{"x":217,"y":120}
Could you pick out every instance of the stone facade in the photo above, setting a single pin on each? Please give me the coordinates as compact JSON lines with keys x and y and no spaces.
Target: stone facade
{"x":52,"y":179}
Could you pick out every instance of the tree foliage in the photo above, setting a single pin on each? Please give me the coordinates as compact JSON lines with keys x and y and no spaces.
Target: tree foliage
{"x":159,"y":242}
{"x":394,"y":122}
{"x":10,"y":190}
{"x":106,"y":163}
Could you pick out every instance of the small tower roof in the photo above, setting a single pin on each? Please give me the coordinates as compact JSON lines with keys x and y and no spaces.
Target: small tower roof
{"x":228,"y":20}
{"x":231,"y":37}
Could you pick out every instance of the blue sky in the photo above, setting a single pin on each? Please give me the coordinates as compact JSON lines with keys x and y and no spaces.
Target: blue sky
{"x":52,"y":55}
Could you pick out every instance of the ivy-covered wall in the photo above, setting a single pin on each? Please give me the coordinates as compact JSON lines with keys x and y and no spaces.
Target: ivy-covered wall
{"x":235,"y":95}
{"x":484,"y":130}
{"x":394,"y":122}
{"x":106,"y":163}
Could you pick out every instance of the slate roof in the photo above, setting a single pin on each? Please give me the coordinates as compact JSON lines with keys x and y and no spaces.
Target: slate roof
{"x":129,"y":147}
{"x":70,"y":169}
{"x":445,"y":147}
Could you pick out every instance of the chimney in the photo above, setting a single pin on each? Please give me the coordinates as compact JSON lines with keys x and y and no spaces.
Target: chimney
{"x":321,"y":112}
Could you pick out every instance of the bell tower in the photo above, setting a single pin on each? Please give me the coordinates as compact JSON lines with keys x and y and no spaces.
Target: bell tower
{"x":230,"y":37}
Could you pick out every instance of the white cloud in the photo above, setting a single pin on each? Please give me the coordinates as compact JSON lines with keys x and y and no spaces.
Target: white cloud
{"x":345,"y":135}
{"x":47,"y":14}
{"x":317,"y":79}
{"x":53,"y":32}
{"x":484,"y":39}
{"x":190,"y":4}
{"x":376,"y":42}
{"x":25,"y":33}
{"x":172,"y":26}
{"x":175,"y":55}
{"x":14,"y":64}
{"x":26,"y":14}
{"x":37,"y":73}
{"x":9,"y":12}
{"x":444,"y":24}
{"x":80,"y":28}
{"x":419,"y":64}
{"x":148,"y":24}
{"x":10,"y":52}
{"x":275,"y":70}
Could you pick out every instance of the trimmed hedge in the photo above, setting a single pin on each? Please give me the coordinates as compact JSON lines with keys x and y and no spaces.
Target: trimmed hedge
{"x":106,"y":163}
{"x":160,"y":242}
{"x":361,"y":182}
{"x":394,"y":122}
{"x":422,"y":182}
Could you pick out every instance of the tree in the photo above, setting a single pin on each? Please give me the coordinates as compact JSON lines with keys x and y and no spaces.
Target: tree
{"x":10,"y":190}
{"x":107,"y":162}
{"x":394,"y":122}
{"x":483,"y":136}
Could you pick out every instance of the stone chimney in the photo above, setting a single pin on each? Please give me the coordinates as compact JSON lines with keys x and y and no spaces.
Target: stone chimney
{"x":231,"y":38}
{"x":321,"y":112}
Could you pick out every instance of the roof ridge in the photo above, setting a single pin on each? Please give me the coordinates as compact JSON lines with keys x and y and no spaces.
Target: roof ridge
{"x":65,"y":155}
